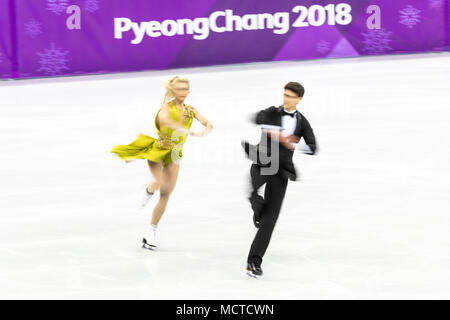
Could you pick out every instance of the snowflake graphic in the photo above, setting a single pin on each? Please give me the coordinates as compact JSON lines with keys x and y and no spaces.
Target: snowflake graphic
{"x":57,"y":6}
{"x":91,"y":5}
{"x":410,"y":16}
{"x":33,"y":28}
{"x":323,"y":47}
{"x":376,"y":41}
{"x":53,"y":61}
{"x":435,"y":4}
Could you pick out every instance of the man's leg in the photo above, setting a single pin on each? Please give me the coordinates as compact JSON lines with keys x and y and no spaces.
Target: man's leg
{"x":274,"y":196}
{"x":256,"y":201}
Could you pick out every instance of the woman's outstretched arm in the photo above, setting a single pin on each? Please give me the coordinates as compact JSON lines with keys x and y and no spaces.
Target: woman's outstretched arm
{"x":203,"y":121}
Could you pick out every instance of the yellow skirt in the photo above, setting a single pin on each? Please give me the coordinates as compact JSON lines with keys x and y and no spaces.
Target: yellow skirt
{"x":145,"y":147}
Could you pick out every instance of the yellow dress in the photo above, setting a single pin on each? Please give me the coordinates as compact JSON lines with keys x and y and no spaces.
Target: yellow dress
{"x":167,"y":148}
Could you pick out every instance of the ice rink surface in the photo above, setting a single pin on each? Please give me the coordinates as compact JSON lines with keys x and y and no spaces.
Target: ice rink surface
{"x":369,"y":219}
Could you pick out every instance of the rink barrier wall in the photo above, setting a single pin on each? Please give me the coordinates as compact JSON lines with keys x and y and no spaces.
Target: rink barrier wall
{"x":44,"y":38}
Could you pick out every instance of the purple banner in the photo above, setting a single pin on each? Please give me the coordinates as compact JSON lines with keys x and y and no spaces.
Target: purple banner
{"x":69,"y":37}
{"x":447,"y":23}
{"x":6,"y":49}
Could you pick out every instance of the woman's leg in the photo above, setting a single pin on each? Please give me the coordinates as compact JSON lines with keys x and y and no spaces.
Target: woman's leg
{"x":156,"y":170}
{"x":169,"y":175}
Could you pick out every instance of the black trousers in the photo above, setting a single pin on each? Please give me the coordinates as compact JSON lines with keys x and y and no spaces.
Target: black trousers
{"x":271,"y":206}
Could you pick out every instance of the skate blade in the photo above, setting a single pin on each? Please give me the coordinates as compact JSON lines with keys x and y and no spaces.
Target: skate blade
{"x":251,"y":275}
{"x":147,"y":246}
{"x":151,"y":248}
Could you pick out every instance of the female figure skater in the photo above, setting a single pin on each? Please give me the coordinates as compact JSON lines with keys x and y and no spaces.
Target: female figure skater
{"x":173,"y":121}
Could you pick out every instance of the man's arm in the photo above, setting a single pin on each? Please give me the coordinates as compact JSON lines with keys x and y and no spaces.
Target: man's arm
{"x":310,"y":139}
{"x":266,"y":119}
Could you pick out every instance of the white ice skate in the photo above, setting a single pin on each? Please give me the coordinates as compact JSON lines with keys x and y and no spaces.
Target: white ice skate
{"x":149,"y":239}
{"x":146,"y":197}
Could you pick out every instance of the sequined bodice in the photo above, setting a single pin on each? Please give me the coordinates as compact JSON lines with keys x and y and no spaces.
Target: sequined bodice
{"x":166,"y":139}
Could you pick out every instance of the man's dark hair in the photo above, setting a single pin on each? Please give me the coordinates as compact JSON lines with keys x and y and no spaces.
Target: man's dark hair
{"x":295,"y":87}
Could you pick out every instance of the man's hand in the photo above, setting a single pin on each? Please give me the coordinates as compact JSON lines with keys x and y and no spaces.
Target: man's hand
{"x":288,"y":145}
{"x":288,"y":141}
{"x":293,"y":139}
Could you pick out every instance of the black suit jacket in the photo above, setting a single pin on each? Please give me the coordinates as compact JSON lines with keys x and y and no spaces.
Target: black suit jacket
{"x":272,"y":116}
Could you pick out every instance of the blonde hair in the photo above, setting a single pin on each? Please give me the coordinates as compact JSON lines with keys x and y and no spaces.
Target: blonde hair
{"x":169,"y":84}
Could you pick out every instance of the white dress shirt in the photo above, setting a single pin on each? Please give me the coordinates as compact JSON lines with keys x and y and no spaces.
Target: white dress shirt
{"x":288,"y":123}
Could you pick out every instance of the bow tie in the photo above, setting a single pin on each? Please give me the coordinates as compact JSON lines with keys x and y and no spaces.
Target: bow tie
{"x":289,"y":114}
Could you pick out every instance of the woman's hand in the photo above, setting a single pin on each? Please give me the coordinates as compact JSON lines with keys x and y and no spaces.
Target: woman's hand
{"x":203,"y":121}
{"x":202,"y":133}
{"x":196,"y":133}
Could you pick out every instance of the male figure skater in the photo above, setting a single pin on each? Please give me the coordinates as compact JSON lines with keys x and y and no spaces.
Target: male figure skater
{"x":282,"y":128}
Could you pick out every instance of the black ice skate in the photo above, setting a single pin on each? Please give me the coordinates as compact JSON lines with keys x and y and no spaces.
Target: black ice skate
{"x":254,"y":270}
{"x":257,"y":203}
